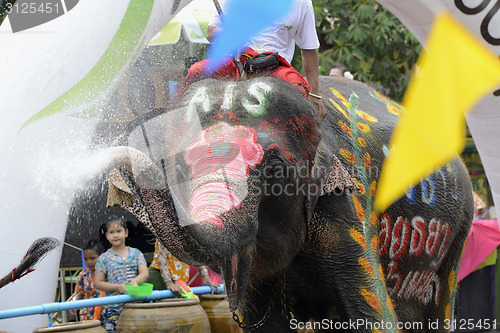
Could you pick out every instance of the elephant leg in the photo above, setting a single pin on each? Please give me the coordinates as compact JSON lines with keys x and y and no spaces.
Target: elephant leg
{"x":264,"y":307}
{"x":341,"y":256}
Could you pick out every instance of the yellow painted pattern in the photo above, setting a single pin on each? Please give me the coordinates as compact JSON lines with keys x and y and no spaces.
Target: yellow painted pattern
{"x":367,"y":160}
{"x":447,"y":311}
{"x":358,"y":237}
{"x":367,"y":266}
{"x":373,"y":219}
{"x":390,"y":306}
{"x":359,"y":209}
{"x":341,"y":98}
{"x":366,"y":116}
{"x":374,"y":244}
{"x":364,"y":128}
{"x":451,"y":281}
{"x":373,"y":188}
{"x":348,"y":156}
{"x":361,"y":187}
{"x":362,"y":142}
{"x":392,"y":109}
{"x":340,"y":109}
{"x":345,"y":128}
{"x":392,"y":106}
{"x":381,"y":273}
{"x":371,"y":299}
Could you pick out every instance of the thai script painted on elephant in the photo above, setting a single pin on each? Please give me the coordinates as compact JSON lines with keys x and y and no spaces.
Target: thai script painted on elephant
{"x":416,"y":237}
{"x":422,"y":286}
{"x":438,"y":183}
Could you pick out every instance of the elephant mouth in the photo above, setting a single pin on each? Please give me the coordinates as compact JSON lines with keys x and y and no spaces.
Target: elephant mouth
{"x":236,"y":271}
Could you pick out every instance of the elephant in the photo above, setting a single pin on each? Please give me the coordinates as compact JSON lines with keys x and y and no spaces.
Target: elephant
{"x":245,"y":177}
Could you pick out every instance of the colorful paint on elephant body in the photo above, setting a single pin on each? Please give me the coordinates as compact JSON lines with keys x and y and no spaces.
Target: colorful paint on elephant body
{"x":356,"y":153}
{"x":413,"y":239}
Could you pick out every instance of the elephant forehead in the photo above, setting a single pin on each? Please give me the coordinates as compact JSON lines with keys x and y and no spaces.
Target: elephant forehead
{"x":296,"y":137}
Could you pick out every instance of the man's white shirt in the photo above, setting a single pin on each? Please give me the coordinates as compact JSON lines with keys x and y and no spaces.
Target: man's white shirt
{"x":296,"y":27}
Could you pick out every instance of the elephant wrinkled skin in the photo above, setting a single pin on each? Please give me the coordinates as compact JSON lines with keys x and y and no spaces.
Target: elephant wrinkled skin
{"x":244,"y":176}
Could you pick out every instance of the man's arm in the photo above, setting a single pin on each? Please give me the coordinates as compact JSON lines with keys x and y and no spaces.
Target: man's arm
{"x":310,"y":62}
{"x":211,"y":31}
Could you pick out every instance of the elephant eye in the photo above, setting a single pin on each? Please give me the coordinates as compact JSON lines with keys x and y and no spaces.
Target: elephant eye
{"x":274,"y":166}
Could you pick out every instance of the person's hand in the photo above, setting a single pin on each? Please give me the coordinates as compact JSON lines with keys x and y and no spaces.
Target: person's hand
{"x":318,"y":106}
{"x":122,"y":289}
{"x":174,"y":287}
{"x":72,"y":312}
{"x":205,"y":281}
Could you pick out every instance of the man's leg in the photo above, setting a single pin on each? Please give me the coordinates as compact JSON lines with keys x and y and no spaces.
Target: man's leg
{"x":201,"y":70}
{"x":292,"y":77}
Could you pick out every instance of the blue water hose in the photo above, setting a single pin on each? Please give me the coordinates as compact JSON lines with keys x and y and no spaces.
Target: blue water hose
{"x":63,"y":306}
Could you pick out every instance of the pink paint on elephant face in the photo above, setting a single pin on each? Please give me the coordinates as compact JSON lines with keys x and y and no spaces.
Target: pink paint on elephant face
{"x":212,"y":199}
{"x":221,"y":149}
{"x":224,"y":149}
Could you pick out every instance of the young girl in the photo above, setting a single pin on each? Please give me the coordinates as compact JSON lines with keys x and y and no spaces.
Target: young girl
{"x":118,"y":266}
{"x":85,"y":287}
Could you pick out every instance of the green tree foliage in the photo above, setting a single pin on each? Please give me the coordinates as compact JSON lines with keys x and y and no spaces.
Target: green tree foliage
{"x":371,"y":41}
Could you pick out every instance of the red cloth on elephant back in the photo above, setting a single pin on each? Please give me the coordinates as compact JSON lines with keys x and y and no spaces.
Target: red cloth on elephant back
{"x":229,"y":71}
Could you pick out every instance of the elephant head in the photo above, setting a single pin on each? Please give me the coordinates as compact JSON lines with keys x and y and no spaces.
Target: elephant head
{"x":230,"y":177}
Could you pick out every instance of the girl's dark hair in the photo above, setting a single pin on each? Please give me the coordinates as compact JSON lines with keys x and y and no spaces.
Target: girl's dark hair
{"x":94,"y":245}
{"x":104,"y":228}
{"x":115,"y":219}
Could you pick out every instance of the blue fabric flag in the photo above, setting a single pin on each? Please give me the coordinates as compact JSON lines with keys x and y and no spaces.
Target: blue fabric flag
{"x":241,"y":21}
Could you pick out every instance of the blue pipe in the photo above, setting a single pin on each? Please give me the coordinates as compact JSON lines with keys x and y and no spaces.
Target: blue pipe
{"x":63,"y":306}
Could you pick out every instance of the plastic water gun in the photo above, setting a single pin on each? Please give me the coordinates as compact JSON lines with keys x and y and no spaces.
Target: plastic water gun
{"x":98,"y":309}
{"x":186,"y":292}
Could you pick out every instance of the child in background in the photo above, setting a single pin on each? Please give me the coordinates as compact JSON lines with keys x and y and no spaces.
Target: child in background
{"x":85,"y":287}
{"x":166,"y":270}
{"x":118,"y":266}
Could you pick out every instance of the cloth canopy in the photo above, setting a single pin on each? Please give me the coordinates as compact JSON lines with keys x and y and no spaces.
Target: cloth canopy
{"x":484,"y":238}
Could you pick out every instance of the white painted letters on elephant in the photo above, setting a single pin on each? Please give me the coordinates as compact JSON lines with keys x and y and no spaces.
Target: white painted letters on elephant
{"x":418,"y":239}
{"x":259,"y":91}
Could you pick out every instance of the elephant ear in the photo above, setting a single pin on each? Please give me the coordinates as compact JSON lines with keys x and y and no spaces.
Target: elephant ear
{"x":121,"y":188}
{"x":338,"y":179}
{"x":329,"y":175}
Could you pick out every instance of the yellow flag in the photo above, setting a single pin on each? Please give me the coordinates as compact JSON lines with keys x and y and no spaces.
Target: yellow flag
{"x":457,"y":71}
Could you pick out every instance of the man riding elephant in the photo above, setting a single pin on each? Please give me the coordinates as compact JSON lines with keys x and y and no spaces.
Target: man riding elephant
{"x":271,"y":52}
